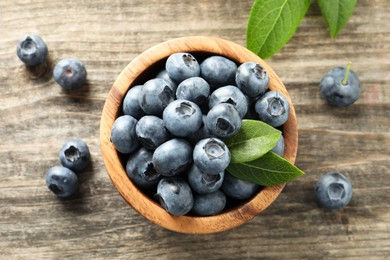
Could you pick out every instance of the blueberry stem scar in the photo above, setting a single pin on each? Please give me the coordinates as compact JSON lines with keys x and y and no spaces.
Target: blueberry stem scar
{"x":345,"y":80}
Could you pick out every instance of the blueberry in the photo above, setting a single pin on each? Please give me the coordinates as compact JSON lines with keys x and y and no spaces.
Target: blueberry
{"x":194,"y":89}
{"x":218,"y":71}
{"x":211,"y":156}
{"x":202,"y":133}
{"x":62,"y":181}
{"x":155,"y":96}
{"x":151,"y":132}
{"x":74,"y":154}
{"x":140,"y":169}
{"x":123,"y":135}
{"x":252,"y":79}
{"x":130,"y":104}
{"x":273,"y":108}
{"x":237,"y":188}
{"x":232,"y":95}
{"x":182,"y":117}
{"x":181,"y":66}
{"x":337,"y":92}
{"x":175,"y":195}
{"x":70,"y":74}
{"x":172,"y":157}
{"x":164,"y":75}
{"x":32,"y":50}
{"x":333,"y":190}
{"x":204,"y":183}
{"x":279,"y":147}
{"x":223,"y":120}
{"x":209,"y":204}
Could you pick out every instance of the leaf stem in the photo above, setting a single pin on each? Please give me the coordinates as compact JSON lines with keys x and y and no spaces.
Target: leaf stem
{"x":345,"y":80}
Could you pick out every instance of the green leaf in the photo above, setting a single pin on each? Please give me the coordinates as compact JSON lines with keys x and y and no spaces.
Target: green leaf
{"x":336,"y":13}
{"x":268,"y":170}
{"x":272,"y":23}
{"x":254,"y":139}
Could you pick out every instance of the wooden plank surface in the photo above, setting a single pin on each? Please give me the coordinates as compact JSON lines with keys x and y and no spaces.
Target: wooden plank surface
{"x":36,"y":118}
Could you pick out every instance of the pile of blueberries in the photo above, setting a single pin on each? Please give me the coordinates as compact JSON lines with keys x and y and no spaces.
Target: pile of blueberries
{"x":172,"y":130}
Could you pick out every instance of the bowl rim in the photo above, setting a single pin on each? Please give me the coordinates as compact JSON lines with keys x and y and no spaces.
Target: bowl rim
{"x":140,"y":202}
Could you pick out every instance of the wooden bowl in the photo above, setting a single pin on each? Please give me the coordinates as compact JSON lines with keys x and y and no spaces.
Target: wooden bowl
{"x":145,"y":66}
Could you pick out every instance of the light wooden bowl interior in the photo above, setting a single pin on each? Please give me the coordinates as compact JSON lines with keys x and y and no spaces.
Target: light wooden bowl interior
{"x":144,"y":67}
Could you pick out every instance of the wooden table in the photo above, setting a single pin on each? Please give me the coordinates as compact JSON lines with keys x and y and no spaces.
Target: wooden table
{"x":37,"y":117}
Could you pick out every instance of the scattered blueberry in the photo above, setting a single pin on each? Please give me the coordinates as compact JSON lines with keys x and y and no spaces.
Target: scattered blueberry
{"x":273,"y":108}
{"x":211,"y":156}
{"x":151,"y":132}
{"x":194,"y":89}
{"x":130,"y":104}
{"x":223,"y":120}
{"x":172,"y":157}
{"x":140,"y":169}
{"x":155,"y":96}
{"x":237,"y":188}
{"x":32,"y":50}
{"x":70,"y":74}
{"x":181,"y":66}
{"x":175,"y":195}
{"x":202,"y":133}
{"x":218,"y":71}
{"x":333,"y":190}
{"x":182,"y":117}
{"x":336,"y":91}
{"x":209,"y":204}
{"x":279,"y":147}
{"x":123,"y":135}
{"x":232,"y":95}
{"x":204,"y":183}
{"x":62,"y":181}
{"x":75,"y":155}
{"x":252,"y":79}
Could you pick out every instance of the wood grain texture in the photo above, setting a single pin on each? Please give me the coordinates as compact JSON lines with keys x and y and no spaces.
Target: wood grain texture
{"x":36,"y":117}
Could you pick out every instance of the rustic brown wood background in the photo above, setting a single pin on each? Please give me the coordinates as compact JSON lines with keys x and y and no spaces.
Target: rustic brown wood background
{"x":36,"y":118}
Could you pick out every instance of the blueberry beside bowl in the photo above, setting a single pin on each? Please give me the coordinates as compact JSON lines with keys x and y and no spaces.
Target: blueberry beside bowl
{"x":146,"y":66}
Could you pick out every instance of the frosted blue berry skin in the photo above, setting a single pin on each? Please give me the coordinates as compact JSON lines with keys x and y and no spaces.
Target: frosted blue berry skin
{"x":130,"y":104}
{"x":252,"y":79}
{"x":151,"y":132}
{"x":70,"y":74}
{"x":182,"y":118}
{"x":155,"y":96}
{"x":175,"y":195}
{"x":232,"y":95}
{"x":273,"y":108}
{"x":204,"y":183}
{"x":209,"y":204}
{"x":140,"y":169}
{"x":123,"y":135}
{"x":62,"y":181}
{"x":335,"y":92}
{"x":333,"y":190}
{"x":32,"y":50}
{"x":218,"y":71}
{"x":211,"y":156}
{"x":202,"y":133}
{"x":194,"y":89}
{"x":237,"y":188}
{"x":164,"y":75}
{"x":279,"y":147}
{"x":223,"y":120}
{"x":181,"y":66}
{"x":75,"y":155}
{"x":172,"y":157}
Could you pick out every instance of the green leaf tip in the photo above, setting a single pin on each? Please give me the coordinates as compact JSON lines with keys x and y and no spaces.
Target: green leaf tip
{"x":272,"y":23}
